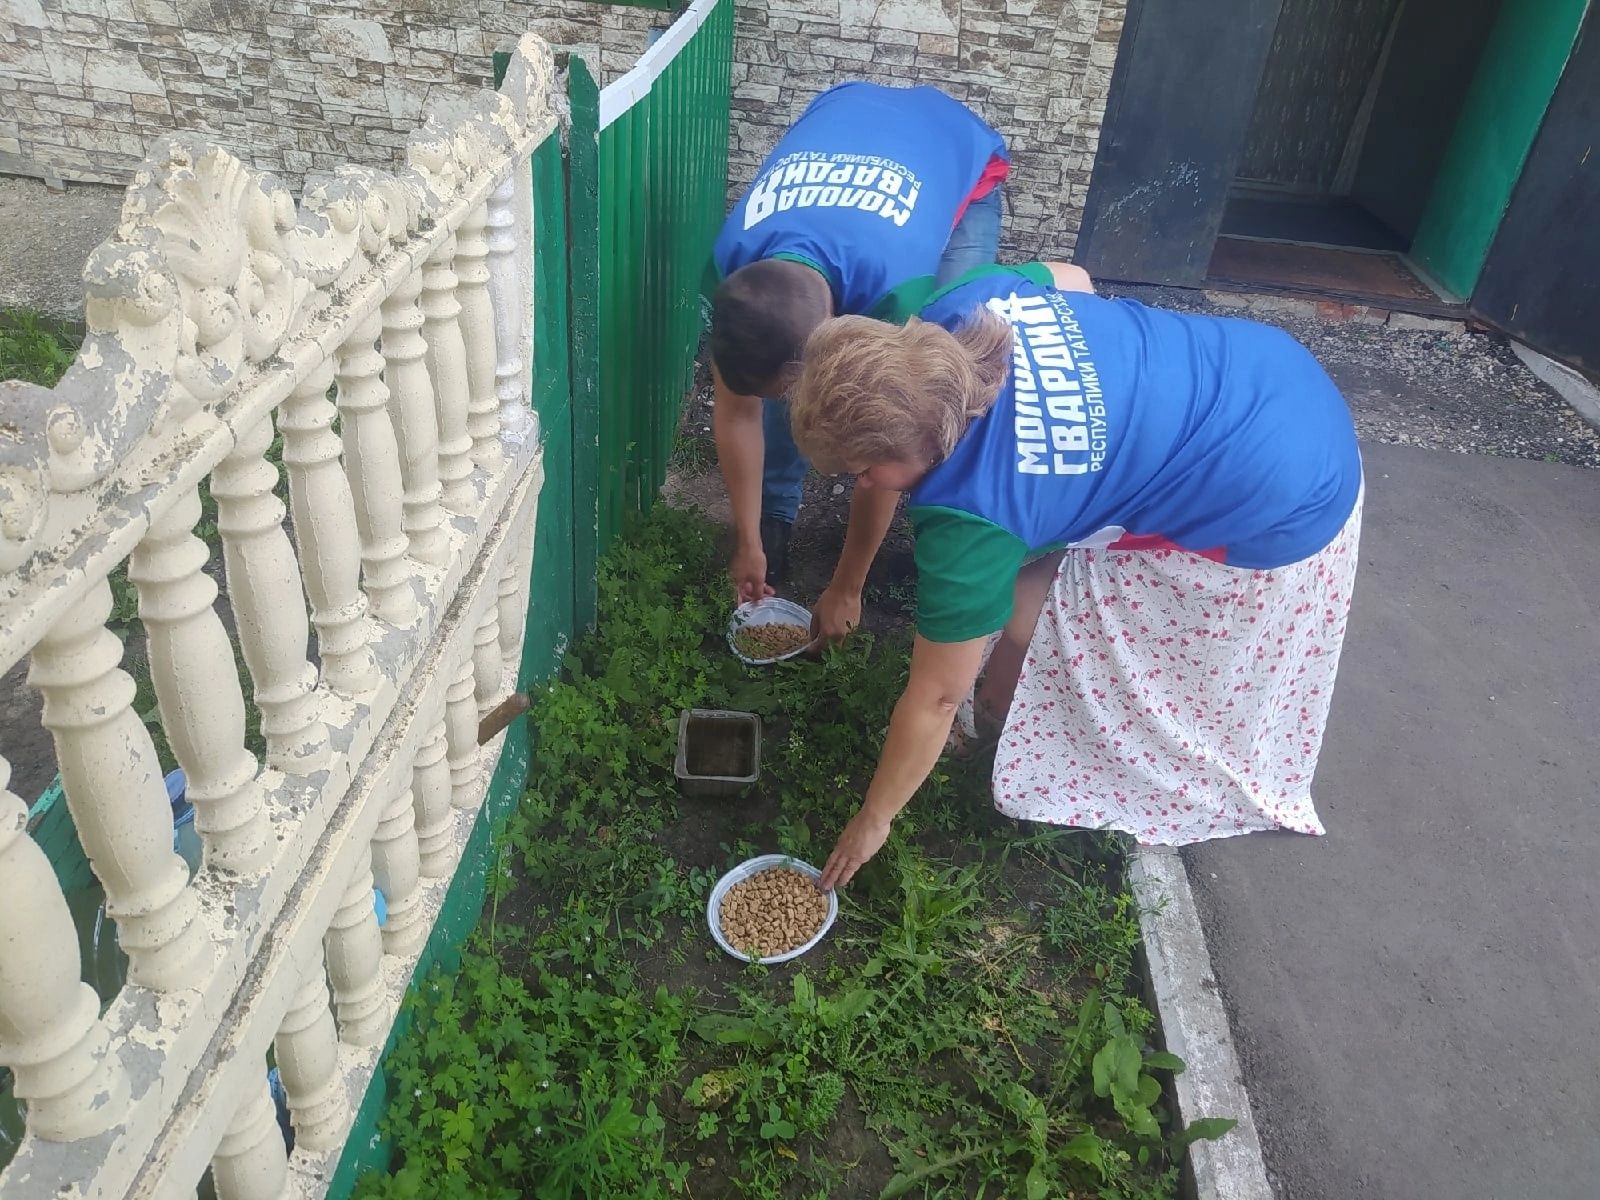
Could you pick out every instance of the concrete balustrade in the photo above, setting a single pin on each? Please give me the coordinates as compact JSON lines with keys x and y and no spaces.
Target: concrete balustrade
{"x":361,"y":352}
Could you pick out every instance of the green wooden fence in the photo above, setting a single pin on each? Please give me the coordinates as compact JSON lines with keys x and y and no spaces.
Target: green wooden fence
{"x":663,"y":181}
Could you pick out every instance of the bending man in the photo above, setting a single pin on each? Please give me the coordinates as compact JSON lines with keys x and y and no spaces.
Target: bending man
{"x":874,"y":196}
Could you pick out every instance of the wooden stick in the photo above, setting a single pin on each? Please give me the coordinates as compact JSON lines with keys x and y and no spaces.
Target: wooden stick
{"x":501,"y":715}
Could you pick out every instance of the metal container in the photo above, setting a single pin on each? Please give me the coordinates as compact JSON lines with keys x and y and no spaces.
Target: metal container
{"x":755,"y":866}
{"x":774,"y":610}
{"x":719,"y":752}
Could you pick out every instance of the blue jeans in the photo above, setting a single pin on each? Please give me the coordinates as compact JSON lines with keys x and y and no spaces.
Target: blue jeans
{"x":973,"y":242}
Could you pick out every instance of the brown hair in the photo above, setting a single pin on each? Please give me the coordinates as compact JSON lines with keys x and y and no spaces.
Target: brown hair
{"x":870,"y":392}
{"x":761,"y":317}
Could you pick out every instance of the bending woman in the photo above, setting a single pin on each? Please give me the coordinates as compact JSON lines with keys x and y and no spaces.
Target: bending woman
{"x":1157,"y":514}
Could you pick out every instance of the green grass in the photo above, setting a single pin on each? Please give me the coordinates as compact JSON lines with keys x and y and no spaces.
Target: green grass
{"x":693,"y":452}
{"x":970,"y":1028}
{"x":34,"y":348}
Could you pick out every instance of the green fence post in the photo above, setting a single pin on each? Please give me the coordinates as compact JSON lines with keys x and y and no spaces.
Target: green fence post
{"x":583,"y":269}
{"x":552,"y":590}
{"x":642,"y":216}
{"x":613,"y":338}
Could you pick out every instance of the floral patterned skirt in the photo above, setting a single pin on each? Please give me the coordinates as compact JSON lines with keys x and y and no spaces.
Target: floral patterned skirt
{"x":1175,"y":699}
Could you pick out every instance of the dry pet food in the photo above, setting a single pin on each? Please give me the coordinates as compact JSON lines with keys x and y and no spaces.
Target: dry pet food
{"x":774,"y":912}
{"x":770,"y":641}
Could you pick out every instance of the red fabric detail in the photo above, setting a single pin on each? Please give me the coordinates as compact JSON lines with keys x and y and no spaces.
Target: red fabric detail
{"x":1154,"y":541}
{"x":993,"y":176}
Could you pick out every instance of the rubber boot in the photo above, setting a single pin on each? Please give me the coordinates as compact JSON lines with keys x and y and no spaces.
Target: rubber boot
{"x":775,"y":545}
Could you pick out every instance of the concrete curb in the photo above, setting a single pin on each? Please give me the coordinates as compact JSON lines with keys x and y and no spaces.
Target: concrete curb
{"x":1312,"y":307}
{"x":1184,"y":994}
{"x":1572,"y":387}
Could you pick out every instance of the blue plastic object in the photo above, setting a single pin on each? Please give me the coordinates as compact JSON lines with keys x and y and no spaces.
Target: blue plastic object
{"x":185,"y":837}
{"x":109,"y":964}
{"x":280,"y":1101}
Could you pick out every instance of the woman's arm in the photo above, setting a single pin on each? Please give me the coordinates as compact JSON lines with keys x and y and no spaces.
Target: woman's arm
{"x":941,"y":676}
{"x":838,"y":610}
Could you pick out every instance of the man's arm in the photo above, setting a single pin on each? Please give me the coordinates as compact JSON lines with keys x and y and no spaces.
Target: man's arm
{"x":1069,"y":278}
{"x":838,"y":609}
{"x":741,"y":445}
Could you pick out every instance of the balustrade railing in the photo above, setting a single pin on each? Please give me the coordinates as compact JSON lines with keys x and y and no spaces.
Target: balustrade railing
{"x":383,"y":327}
{"x":417,"y":349}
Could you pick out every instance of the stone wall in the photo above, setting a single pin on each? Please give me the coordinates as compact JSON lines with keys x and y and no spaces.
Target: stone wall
{"x":1037,"y":70}
{"x":290,"y":85}
{"x":300,"y":85}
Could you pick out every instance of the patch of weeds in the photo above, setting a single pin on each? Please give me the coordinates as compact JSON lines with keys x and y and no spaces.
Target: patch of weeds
{"x":1088,"y":922}
{"x":899,"y":595}
{"x":969,"y":1029}
{"x":34,"y":348}
{"x":506,"y":1080}
{"x":693,"y":452}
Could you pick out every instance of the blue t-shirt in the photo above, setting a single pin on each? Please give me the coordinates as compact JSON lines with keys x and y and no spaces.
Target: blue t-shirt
{"x":1127,"y":427}
{"x":866,"y":186}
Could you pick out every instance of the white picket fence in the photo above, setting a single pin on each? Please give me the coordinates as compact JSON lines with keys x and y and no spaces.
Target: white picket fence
{"x":384,"y":327}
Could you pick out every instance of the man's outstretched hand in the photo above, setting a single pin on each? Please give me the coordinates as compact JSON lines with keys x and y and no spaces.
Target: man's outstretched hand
{"x":749,"y":574}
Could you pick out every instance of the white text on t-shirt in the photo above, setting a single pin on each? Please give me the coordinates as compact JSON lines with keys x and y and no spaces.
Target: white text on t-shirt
{"x":808,"y":179}
{"x":1059,"y":417}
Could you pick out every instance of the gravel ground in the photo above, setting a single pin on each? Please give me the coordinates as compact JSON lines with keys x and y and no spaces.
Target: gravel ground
{"x":45,"y":238}
{"x":1463,"y":392}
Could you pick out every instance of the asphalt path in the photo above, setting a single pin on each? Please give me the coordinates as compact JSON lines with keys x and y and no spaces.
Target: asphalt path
{"x":1416,"y":996}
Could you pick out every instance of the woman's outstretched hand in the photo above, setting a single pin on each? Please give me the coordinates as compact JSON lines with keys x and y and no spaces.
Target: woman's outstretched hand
{"x":941,"y":674}
{"x":861,"y":839}
{"x":835,"y":614}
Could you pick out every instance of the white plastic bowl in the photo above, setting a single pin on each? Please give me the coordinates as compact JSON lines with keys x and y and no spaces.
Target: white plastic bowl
{"x":744,"y":871}
{"x":771,"y":611}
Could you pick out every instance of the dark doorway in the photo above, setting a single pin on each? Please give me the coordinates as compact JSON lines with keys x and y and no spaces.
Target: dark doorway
{"x":1180,"y":101}
{"x":1540,"y":282}
{"x":1293,"y":182}
{"x":1356,"y":105}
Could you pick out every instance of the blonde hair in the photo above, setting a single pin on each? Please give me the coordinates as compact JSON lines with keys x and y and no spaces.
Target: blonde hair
{"x":871,"y":392}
